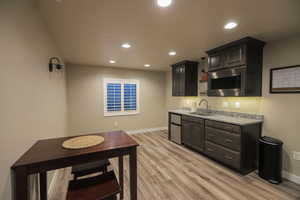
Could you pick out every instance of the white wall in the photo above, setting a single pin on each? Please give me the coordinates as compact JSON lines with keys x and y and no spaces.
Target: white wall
{"x":85,"y":99}
{"x":32,"y":101}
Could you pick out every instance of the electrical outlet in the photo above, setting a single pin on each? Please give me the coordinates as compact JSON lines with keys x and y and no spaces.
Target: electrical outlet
{"x":296,"y":155}
{"x":115,"y":124}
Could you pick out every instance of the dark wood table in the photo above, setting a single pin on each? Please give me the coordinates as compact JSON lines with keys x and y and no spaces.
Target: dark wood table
{"x":46,"y":155}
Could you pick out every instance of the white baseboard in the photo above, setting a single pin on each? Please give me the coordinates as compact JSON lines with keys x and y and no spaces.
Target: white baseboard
{"x":52,"y":183}
{"x":147,"y":130}
{"x":291,"y":177}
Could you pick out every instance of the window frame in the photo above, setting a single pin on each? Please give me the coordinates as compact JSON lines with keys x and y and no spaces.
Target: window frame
{"x":107,"y":113}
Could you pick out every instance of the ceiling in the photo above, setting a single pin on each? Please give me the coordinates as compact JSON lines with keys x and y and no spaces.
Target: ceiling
{"x":92,"y":31}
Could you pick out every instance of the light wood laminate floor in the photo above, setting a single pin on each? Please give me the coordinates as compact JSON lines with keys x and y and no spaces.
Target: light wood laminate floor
{"x":167,"y":171}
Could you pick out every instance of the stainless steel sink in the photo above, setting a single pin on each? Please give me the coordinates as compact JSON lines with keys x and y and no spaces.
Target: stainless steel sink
{"x":202,"y":113}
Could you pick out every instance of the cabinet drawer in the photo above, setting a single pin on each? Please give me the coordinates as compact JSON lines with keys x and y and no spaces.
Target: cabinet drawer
{"x":212,"y":151}
{"x":175,"y":119}
{"x":231,"y":158}
{"x":224,"y":138}
{"x":224,"y":126}
{"x":193,"y":119}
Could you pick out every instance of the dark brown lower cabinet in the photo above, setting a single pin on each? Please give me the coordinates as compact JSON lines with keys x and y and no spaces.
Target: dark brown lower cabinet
{"x":193,"y":133}
{"x":232,"y":145}
{"x":224,"y":155}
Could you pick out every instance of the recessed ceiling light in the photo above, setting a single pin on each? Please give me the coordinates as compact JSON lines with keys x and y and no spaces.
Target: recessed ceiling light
{"x":230,"y":25}
{"x":164,"y":3}
{"x":126,"y":45}
{"x":172,"y":53}
{"x":112,"y":61}
{"x":147,"y":65}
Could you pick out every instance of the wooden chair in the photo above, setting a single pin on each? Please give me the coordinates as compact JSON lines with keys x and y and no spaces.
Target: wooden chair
{"x":90,"y":168}
{"x":102,"y":187}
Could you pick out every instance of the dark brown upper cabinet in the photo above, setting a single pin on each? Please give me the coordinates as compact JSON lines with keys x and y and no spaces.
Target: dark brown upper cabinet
{"x":235,"y":69}
{"x":216,"y":60}
{"x":185,"y":78}
{"x":234,"y":54}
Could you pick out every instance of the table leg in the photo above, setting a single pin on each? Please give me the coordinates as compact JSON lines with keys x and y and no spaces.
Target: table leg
{"x":20,"y":184}
{"x":43,"y":185}
{"x":121,"y":176}
{"x":133,"y":174}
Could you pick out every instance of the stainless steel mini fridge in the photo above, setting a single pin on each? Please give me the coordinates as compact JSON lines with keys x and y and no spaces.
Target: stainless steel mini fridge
{"x":175,"y":128}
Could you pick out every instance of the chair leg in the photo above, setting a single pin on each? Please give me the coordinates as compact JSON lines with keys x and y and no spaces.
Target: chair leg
{"x":105,"y":169}
{"x":111,"y":198}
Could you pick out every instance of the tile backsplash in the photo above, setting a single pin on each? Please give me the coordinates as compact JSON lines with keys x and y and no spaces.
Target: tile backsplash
{"x":250,"y":105}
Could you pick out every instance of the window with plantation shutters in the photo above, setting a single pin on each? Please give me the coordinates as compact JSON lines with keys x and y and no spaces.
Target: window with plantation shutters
{"x":113,"y":97}
{"x":129,"y":97}
{"x":120,"y":97}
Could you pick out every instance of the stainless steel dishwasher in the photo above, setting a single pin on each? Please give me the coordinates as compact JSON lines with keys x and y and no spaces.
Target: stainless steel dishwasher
{"x":175,"y":128}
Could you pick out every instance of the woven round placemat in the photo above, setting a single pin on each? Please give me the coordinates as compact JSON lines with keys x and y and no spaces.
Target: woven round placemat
{"x":83,"y":142}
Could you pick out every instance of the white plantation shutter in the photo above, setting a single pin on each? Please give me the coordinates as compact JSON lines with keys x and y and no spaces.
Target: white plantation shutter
{"x":129,"y":96}
{"x":113,"y":102}
{"x":121,"y":97}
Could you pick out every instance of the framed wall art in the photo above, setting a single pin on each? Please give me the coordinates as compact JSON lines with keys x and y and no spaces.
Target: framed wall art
{"x":285,"y":79}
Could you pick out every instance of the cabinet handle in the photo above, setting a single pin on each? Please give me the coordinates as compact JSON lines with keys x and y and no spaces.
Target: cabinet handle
{"x":228,"y":140}
{"x":228,"y":157}
{"x":209,"y":149}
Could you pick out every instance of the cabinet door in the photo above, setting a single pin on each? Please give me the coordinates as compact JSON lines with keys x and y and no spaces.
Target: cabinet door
{"x":197,"y":136}
{"x":185,"y":79}
{"x":235,"y":56}
{"x":175,"y":84}
{"x":182,"y":80}
{"x":186,"y":133}
{"x":216,"y":61}
{"x":178,"y":80}
{"x":193,"y":135}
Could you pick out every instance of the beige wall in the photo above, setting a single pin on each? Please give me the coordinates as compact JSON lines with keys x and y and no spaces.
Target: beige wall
{"x":85,"y":99}
{"x":32,"y":101}
{"x":281,"y":111}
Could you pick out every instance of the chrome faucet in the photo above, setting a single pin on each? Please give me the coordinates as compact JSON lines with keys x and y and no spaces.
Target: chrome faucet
{"x":203,"y":100}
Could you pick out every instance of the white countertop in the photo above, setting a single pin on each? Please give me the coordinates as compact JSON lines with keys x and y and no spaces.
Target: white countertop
{"x":221,"y":118}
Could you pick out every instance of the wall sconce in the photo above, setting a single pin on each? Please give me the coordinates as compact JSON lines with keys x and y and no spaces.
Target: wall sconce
{"x":55,"y":64}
